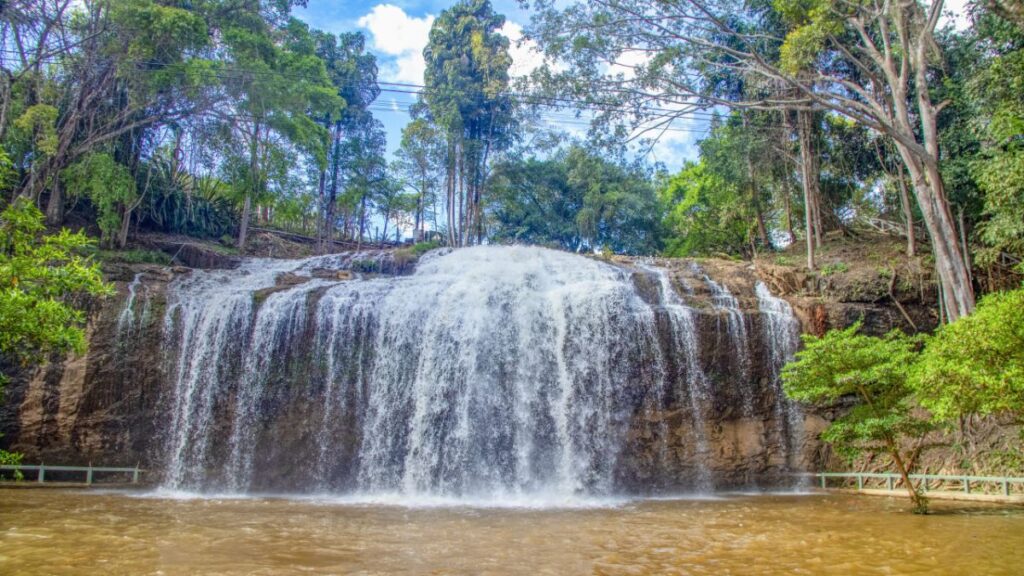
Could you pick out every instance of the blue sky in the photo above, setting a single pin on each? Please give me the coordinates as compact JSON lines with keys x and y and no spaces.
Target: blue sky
{"x":396,"y":33}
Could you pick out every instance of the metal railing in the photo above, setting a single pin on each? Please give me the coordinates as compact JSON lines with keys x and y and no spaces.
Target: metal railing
{"x":90,"y":471}
{"x":892,"y":480}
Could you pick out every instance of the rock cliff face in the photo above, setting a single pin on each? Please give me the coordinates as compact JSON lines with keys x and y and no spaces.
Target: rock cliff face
{"x":486,"y":370}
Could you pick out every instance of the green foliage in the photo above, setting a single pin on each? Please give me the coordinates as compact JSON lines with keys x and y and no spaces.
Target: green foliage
{"x":11,"y":459}
{"x":107,"y":184}
{"x":421,"y":248}
{"x":576,"y":200}
{"x":8,"y":175}
{"x":976,"y":364}
{"x":39,"y":122}
{"x":43,"y":279}
{"x":705,"y":214}
{"x":812,"y":23}
{"x":366,"y":266}
{"x":783,"y":261}
{"x":467,"y":98}
{"x":845,"y":363}
{"x":834,"y":268}
{"x":136,"y":256}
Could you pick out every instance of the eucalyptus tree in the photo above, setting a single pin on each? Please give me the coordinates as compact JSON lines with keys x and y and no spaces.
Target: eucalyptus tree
{"x":353,"y":71}
{"x":275,"y":84}
{"x":420,"y":166}
{"x":874,"y":62}
{"x":467,"y":78}
{"x":576,"y":200}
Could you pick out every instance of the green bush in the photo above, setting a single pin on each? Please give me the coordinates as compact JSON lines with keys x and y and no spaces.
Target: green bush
{"x":834,"y":268}
{"x":421,"y":248}
{"x":136,"y":256}
{"x":976,"y":364}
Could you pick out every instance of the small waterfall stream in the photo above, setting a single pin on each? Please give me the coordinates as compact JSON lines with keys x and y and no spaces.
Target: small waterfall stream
{"x":489,"y":372}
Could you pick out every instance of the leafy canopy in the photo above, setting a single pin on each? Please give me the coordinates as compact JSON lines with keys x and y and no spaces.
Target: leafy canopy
{"x":107,"y":184}
{"x":976,"y":364}
{"x":846,"y":363}
{"x":704,"y":213}
{"x":43,"y":279}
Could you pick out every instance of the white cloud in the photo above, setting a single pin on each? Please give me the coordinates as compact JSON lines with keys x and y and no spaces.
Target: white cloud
{"x":401,"y":38}
{"x":628,"y":61}
{"x":955,"y":12}
{"x":526,"y":55}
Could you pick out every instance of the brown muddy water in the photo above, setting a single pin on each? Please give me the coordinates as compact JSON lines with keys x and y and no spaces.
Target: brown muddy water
{"x":69,"y":532}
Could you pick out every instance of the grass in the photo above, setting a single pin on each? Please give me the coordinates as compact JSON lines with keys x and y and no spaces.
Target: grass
{"x":421,"y":248}
{"x":134,"y":256}
{"x":834,"y":268}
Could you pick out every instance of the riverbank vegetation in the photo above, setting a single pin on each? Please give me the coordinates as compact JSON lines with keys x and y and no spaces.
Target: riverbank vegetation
{"x":907,"y":386}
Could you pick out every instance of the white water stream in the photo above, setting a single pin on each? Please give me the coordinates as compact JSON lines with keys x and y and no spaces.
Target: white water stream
{"x":489,"y":372}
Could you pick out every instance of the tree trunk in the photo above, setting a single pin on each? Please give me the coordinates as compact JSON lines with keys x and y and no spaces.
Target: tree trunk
{"x":919,"y":500}
{"x":417,"y":231}
{"x":809,"y":183}
{"x":460,"y":193}
{"x":122,"y":235}
{"x":450,"y":208}
{"x":787,"y":202}
{"x":243,"y":226}
{"x":957,"y":292}
{"x":762,"y":231}
{"x":331,"y":201}
{"x":963,"y":246}
{"x":55,"y":205}
{"x":908,"y":212}
{"x":321,"y":241}
{"x":362,"y":222}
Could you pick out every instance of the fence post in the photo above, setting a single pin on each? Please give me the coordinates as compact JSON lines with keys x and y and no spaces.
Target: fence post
{"x":88,"y":475}
{"x":967,"y":485}
{"x":135,"y":474}
{"x":860,"y":482}
{"x":822,"y":481}
{"x":888,"y":483}
{"x":42,"y":473}
{"x":1006,"y":487}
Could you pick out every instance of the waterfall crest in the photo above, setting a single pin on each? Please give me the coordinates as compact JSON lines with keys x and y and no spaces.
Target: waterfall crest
{"x":489,"y":371}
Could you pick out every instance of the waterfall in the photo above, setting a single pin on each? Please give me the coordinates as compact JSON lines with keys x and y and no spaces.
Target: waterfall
{"x":782,"y":337}
{"x":488,"y":372}
{"x":685,"y":346}
{"x":127,"y":318}
{"x":736,"y":330}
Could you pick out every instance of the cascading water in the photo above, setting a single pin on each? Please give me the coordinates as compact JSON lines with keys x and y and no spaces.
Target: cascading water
{"x":782,"y":338}
{"x":736,"y":330}
{"x":686,"y":350}
{"x":489,"y":372}
{"x":126,"y":320}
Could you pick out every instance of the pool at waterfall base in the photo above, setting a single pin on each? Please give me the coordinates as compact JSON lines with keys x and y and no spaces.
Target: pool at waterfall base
{"x":95,"y":532}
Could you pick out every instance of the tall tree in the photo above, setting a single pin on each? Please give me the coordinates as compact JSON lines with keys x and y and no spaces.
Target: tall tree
{"x":276,"y":85}
{"x":353,"y":72}
{"x":576,"y":200}
{"x":420,"y":164}
{"x":467,"y":96}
